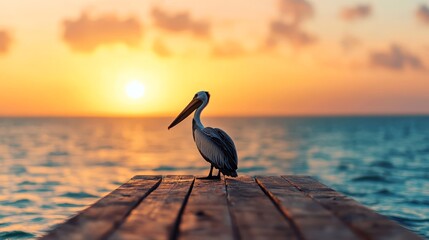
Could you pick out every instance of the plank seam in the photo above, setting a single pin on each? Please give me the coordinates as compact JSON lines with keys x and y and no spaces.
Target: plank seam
{"x":175,"y":231}
{"x":119,"y":223}
{"x":278,"y":205}
{"x":235,"y":232}
{"x":356,"y":231}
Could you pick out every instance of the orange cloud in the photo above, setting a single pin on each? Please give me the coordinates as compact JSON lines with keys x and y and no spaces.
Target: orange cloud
{"x":85,"y":34}
{"x":422,"y":14}
{"x":292,"y":33}
{"x":5,"y":41}
{"x":288,"y":27}
{"x":180,"y":22}
{"x":349,"y":42}
{"x":395,"y":58}
{"x":355,"y":13}
{"x":296,"y":10}
{"x":228,"y":49}
{"x":161,"y":49}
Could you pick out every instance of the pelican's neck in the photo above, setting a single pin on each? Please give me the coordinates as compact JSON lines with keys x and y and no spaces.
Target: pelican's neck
{"x":197,"y":115}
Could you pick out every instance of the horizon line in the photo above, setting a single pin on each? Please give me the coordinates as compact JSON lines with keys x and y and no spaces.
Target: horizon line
{"x":224,"y":116}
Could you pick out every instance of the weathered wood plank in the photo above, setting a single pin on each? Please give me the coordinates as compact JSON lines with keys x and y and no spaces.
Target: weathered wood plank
{"x":99,"y":219}
{"x":366,"y":222}
{"x":206,"y":214}
{"x":158,"y":215}
{"x":311,"y":219}
{"x":253,"y":213}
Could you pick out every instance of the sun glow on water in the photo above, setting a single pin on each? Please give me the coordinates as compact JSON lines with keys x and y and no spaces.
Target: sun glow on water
{"x":135,"y":89}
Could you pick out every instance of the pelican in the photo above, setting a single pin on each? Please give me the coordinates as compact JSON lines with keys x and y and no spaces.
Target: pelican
{"x":214,"y":144}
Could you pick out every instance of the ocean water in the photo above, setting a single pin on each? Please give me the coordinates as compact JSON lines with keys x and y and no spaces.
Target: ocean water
{"x":51,"y":168}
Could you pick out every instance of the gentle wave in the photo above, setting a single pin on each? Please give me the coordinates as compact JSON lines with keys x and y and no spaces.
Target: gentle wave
{"x":58,"y":153}
{"x":78,"y":195}
{"x":385,"y":192}
{"x":20,"y":203}
{"x":16,"y":235}
{"x":371,"y":178}
{"x":383,"y":164}
{"x":69,"y":205}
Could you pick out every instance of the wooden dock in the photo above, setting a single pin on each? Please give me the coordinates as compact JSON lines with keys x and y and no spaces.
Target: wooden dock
{"x":262,"y":207}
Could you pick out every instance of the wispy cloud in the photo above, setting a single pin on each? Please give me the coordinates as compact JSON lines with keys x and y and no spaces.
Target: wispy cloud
{"x":422,"y":14}
{"x":228,"y":49}
{"x":395,"y":58}
{"x":356,"y":12}
{"x":292,"y":33}
{"x":180,"y":22}
{"x":296,"y":11}
{"x":5,"y":41}
{"x":86,"y":33}
{"x":288,"y":27}
{"x":161,"y":49}
{"x":349,"y":42}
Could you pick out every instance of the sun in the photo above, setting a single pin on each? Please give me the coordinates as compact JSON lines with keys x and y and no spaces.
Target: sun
{"x":135,"y":89}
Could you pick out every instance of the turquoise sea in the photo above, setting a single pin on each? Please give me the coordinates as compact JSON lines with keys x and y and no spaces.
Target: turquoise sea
{"x":51,"y":168}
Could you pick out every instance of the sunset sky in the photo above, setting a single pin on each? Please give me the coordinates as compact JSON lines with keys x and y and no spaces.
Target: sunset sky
{"x":273,"y":57}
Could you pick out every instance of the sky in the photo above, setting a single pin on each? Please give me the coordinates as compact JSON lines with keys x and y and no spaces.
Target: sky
{"x":256,"y":58}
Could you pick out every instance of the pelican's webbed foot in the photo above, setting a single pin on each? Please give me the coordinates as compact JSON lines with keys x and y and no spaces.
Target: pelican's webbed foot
{"x":210,"y":178}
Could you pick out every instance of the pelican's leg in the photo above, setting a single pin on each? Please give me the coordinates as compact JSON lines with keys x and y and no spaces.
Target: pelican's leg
{"x":218,"y":175}
{"x":211,"y":171}
{"x":210,"y":176}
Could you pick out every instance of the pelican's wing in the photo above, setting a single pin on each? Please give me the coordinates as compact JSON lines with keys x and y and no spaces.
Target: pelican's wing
{"x":218,"y":148}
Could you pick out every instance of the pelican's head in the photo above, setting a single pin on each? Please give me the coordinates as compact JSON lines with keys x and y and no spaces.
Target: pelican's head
{"x":200,"y":98}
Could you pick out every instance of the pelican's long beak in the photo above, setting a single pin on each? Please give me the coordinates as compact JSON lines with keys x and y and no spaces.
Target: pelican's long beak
{"x":194,"y":104}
